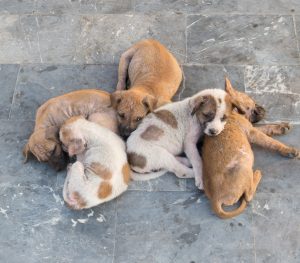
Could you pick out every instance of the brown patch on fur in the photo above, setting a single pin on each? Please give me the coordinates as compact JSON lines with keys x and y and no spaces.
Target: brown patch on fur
{"x":136,"y":160}
{"x":104,"y":190}
{"x":167,"y":117}
{"x":126,"y":173}
{"x":100,"y":170}
{"x":205,"y":108}
{"x":220,"y":101}
{"x":152,"y":133}
{"x":80,"y":201}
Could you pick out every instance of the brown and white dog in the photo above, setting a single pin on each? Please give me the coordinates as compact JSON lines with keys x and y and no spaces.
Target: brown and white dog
{"x":44,"y":143}
{"x":228,"y":158}
{"x":101,"y":171}
{"x":154,"y":76}
{"x":175,"y":128}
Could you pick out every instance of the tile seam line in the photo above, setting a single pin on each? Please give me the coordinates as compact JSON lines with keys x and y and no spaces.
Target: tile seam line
{"x":14,"y":93}
{"x":153,"y":13}
{"x":183,"y":64}
{"x":296,"y":35}
{"x":115,"y":231}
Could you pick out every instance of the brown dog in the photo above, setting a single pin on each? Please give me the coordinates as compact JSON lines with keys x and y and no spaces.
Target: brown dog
{"x":154,"y":76}
{"x":228,"y":158}
{"x":44,"y":142}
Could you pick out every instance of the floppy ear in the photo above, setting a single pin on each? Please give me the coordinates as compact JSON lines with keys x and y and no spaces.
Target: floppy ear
{"x":150,"y":102}
{"x":26,"y":152}
{"x":115,"y":99}
{"x":198,"y":103}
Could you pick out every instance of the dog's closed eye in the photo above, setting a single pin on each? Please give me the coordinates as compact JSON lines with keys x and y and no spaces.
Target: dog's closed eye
{"x":224,"y":118}
{"x":121,"y":115}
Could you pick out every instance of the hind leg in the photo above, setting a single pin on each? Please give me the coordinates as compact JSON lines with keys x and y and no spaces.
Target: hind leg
{"x":256,"y":179}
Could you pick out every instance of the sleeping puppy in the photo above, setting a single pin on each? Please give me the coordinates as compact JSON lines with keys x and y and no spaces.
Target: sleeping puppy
{"x":101,"y":171}
{"x":44,"y":143}
{"x":154,"y":76}
{"x":175,"y":128}
{"x":228,"y":158}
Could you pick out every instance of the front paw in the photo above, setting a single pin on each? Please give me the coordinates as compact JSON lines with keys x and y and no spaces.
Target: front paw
{"x":293,"y":153}
{"x":199,"y":183}
{"x":284,"y":127}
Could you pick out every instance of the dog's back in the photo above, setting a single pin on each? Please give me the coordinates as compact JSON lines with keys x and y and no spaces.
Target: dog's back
{"x":153,"y":66}
{"x":227,"y":165}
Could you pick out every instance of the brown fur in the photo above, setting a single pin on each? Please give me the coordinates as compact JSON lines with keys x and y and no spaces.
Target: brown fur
{"x":136,"y":160}
{"x":228,"y":160}
{"x":100,"y":170}
{"x":205,"y":108}
{"x":80,"y":202}
{"x":104,"y":190}
{"x":44,"y":143}
{"x":126,"y":173}
{"x":167,"y":117}
{"x":154,"y":76}
{"x":152,"y":133}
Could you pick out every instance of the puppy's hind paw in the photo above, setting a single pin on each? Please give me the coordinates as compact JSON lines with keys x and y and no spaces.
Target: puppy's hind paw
{"x":199,"y":185}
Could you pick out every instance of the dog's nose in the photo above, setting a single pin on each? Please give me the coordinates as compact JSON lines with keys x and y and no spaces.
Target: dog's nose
{"x":213,"y":131}
{"x":125,"y":132}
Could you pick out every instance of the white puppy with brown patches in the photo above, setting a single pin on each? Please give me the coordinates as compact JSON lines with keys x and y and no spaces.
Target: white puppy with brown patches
{"x":101,"y":171}
{"x":173,"y":129}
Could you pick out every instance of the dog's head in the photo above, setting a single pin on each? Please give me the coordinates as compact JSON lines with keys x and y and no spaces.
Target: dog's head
{"x":71,"y":136}
{"x":131,"y":107}
{"x":244,"y":104}
{"x":212,"y":107}
{"x":45,"y":146}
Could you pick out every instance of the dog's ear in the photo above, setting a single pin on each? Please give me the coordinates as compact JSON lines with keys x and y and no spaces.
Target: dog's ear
{"x":115,"y":99}
{"x":150,"y":103}
{"x":198,"y":103}
{"x":26,"y":152}
{"x":234,"y":96}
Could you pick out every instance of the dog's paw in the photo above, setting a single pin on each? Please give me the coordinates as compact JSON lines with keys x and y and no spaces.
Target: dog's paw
{"x":293,"y":153}
{"x":285,"y":127}
{"x":199,"y":183}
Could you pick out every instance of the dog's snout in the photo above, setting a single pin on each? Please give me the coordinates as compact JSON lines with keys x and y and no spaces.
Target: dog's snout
{"x":257,"y":114}
{"x":213,"y":131}
{"x":125,"y":131}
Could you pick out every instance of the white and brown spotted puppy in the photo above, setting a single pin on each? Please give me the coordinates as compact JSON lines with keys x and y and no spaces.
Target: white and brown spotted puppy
{"x":101,"y":171}
{"x":175,"y":128}
{"x":154,"y":76}
{"x":228,"y":158}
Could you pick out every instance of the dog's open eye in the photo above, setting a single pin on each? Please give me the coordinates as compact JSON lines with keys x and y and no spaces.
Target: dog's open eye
{"x":139,"y":119}
{"x":121,"y":115}
{"x":224,"y":118}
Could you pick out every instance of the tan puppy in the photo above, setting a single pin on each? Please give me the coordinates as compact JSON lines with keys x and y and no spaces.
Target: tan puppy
{"x":101,"y":171}
{"x":228,"y":158}
{"x":154,"y":76}
{"x":44,"y":143}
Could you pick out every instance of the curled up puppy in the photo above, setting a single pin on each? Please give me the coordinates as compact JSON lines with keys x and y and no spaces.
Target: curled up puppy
{"x":173,"y":129}
{"x":228,"y":158}
{"x":101,"y":171}
{"x":154,"y":76}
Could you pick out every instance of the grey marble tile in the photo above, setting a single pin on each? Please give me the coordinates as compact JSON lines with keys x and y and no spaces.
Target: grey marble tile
{"x":277,"y":88}
{"x":280,"y":174}
{"x":186,"y":6}
{"x":276,"y":228}
{"x":241,"y":39}
{"x":106,"y":6}
{"x":8,"y":76}
{"x":199,"y":77}
{"x":17,"y":6}
{"x":37,"y":83}
{"x":179,"y":227}
{"x":100,"y":31}
{"x":269,"y":6}
{"x":167,"y":182}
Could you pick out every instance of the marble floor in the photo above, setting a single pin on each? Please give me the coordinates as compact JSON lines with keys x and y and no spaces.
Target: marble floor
{"x":49,"y":48}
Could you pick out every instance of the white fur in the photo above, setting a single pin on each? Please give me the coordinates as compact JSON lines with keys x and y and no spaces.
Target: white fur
{"x":104,"y":147}
{"x":161,"y":154}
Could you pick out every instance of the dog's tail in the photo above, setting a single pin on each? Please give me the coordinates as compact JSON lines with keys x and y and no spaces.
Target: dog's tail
{"x":218,"y":209}
{"x":146,"y":176}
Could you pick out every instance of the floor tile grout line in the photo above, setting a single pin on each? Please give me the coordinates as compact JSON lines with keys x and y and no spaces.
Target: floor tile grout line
{"x":14,"y":93}
{"x":253,"y":232}
{"x":296,"y":35}
{"x":115,"y":231}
